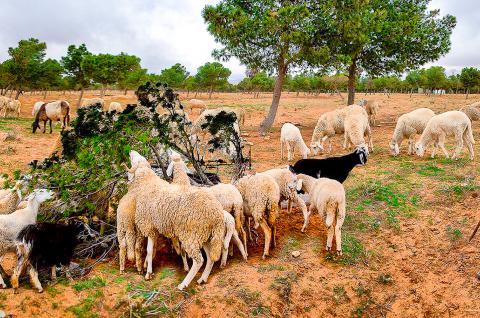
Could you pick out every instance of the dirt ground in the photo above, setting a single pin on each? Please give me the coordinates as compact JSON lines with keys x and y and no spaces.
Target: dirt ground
{"x":405,"y":238}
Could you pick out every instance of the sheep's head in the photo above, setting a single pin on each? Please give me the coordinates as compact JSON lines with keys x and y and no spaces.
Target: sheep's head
{"x":419,"y":150}
{"x":316,"y":148}
{"x":362,"y":152}
{"x":394,"y":149}
{"x":41,"y":195}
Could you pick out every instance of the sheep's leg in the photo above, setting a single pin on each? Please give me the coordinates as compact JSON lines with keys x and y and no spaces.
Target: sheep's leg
{"x":50,"y":122}
{"x":149,"y":258}
{"x":226,"y":244}
{"x":370,"y":140}
{"x":138,"y":253}
{"x":459,"y":145}
{"x":338,"y":227}
{"x":274,"y":236}
{"x":441,"y":144}
{"x":248,"y":229}
{"x":34,"y":279}
{"x":268,"y":237}
{"x":208,"y":266}
{"x":410,"y":146}
{"x":22,"y":261}
{"x":330,"y":233}
{"x":289,"y":151}
{"x":197,"y":264}
{"x":239,"y":244}
{"x":306,"y":214}
{"x":2,"y":273}
{"x":345,"y":137}
{"x":470,"y":147}
{"x":239,"y":227}
{"x":122,"y":254}
{"x":289,"y":206}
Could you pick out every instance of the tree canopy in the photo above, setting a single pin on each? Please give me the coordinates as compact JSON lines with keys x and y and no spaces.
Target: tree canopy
{"x":212,"y":76}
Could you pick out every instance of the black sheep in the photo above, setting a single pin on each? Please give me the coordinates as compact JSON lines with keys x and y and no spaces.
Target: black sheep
{"x":336,"y":168}
{"x":46,"y":245}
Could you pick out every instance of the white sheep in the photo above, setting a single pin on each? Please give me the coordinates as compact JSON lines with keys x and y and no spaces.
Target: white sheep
{"x":291,"y":137}
{"x":87,"y":102}
{"x":327,"y":196}
{"x":197,"y":104}
{"x":371,"y":107}
{"x":454,"y":123}
{"x":261,"y":195}
{"x":287,"y":183}
{"x":177,"y":169}
{"x":409,"y":125}
{"x":472,"y":111}
{"x":357,"y":128}
{"x":202,"y":119}
{"x":9,"y":105}
{"x":11,"y":224}
{"x":115,"y":106}
{"x":190,"y":215}
{"x":10,"y":198}
{"x":329,"y":124}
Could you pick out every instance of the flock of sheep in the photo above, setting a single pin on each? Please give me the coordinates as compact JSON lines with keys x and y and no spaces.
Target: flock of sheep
{"x":195,"y":218}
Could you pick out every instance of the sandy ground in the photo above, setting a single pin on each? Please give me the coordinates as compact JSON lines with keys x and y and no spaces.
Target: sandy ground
{"x":408,"y":223}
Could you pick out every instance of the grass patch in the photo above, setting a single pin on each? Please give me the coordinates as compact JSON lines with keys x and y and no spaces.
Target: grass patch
{"x":290,"y":245}
{"x":254,"y":301}
{"x":283,"y":285}
{"x":269,"y":268}
{"x":93,"y":282}
{"x":430,"y":170}
{"x":353,"y":251}
{"x":84,"y":308}
{"x":52,"y":291}
{"x":340,"y":295}
{"x":454,"y":234}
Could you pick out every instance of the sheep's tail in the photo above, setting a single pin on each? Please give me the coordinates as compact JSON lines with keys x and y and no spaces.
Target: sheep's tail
{"x":331,"y":212}
{"x":216,"y":241}
{"x":272,"y":213}
{"x":468,"y":134}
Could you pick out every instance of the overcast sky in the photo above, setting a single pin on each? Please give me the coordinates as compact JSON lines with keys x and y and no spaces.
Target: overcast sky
{"x":164,"y":32}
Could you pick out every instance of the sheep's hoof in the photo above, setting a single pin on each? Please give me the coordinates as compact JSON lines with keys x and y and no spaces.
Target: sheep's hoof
{"x":3,"y":285}
{"x":40,"y":290}
{"x":186,"y":269}
{"x":15,"y":290}
{"x":201,"y":281}
{"x":181,"y":286}
{"x":339,"y":253}
{"x":148,"y":276}
{"x":222,"y":265}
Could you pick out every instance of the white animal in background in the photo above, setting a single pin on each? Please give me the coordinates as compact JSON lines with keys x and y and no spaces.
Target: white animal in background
{"x":291,"y":138}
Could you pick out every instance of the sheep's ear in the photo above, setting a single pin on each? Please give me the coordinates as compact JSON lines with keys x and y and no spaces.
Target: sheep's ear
{"x":299,"y":184}
{"x":170,"y":169}
{"x":291,"y":168}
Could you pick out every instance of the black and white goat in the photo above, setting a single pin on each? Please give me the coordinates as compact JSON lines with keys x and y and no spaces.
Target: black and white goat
{"x":46,"y":245}
{"x":336,"y":168}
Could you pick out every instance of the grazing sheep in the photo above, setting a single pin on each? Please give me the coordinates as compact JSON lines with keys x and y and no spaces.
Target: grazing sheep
{"x":178,"y":170}
{"x":357,"y":128}
{"x":45,"y":245}
{"x":196,"y":104}
{"x":115,"y":106}
{"x":87,"y":102}
{"x":191,"y":216}
{"x":53,"y":111}
{"x":329,"y":124}
{"x":12,"y":106}
{"x":408,"y":125}
{"x":291,"y":137}
{"x":371,"y":107}
{"x":336,"y":168}
{"x":202,"y":119}
{"x":472,"y":111}
{"x":11,"y":224}
{"x":287,"y":183}
{"x":3,"y":103}
{"x":261,"y":195}
{"x":36,"y":107}
{"x":327,"y":196}
{"x":439,"y":126}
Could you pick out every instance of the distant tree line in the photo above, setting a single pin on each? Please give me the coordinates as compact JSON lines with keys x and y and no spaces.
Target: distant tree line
{"x":27,"y":69}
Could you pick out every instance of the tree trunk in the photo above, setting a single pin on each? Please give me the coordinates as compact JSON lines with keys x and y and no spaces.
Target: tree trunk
{"x":352,"y":72}
{"x":79,"y":102}
{"x":277,"y":93}
{"x":19,"y":92}
{"x":126,"y":91}
{"x":468,"y":91}
{"x":45,"y":94}
{"x":210,"y":93}
{"x":102,"y":91}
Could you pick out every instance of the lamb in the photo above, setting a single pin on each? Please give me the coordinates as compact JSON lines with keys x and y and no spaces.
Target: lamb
{"x":10,"y":198}
{"x":87,"y":102}
{"x":439,"y":126}
{"x":357,"y":128}
{"x":327,"y":196}
{"x":53,"y":111}
{"x":408,"y":125}
{"x":472,"y":111}
{"x":290,"y":137}
{"x":11,"y":224}
{"x":336,"y":168}
{"x":287,"y":183}
{"x":371,"y":107}
{"x":115,"y":106}
{"x":197,"y":104}
{"x":192,"y":216}
{"x":329,"y":124}
{"x":261,"y":195}
{"x":46,"y":245}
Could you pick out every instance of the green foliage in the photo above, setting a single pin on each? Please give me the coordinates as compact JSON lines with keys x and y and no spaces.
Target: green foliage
{"x":212,"y":76}
{"x":93,"y":282}
{"x":72,"y":64}
{"x":84,"y":308}
{"x":454,"y":234}
{"x":174,"y":76}
{"x":470,"y":77}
